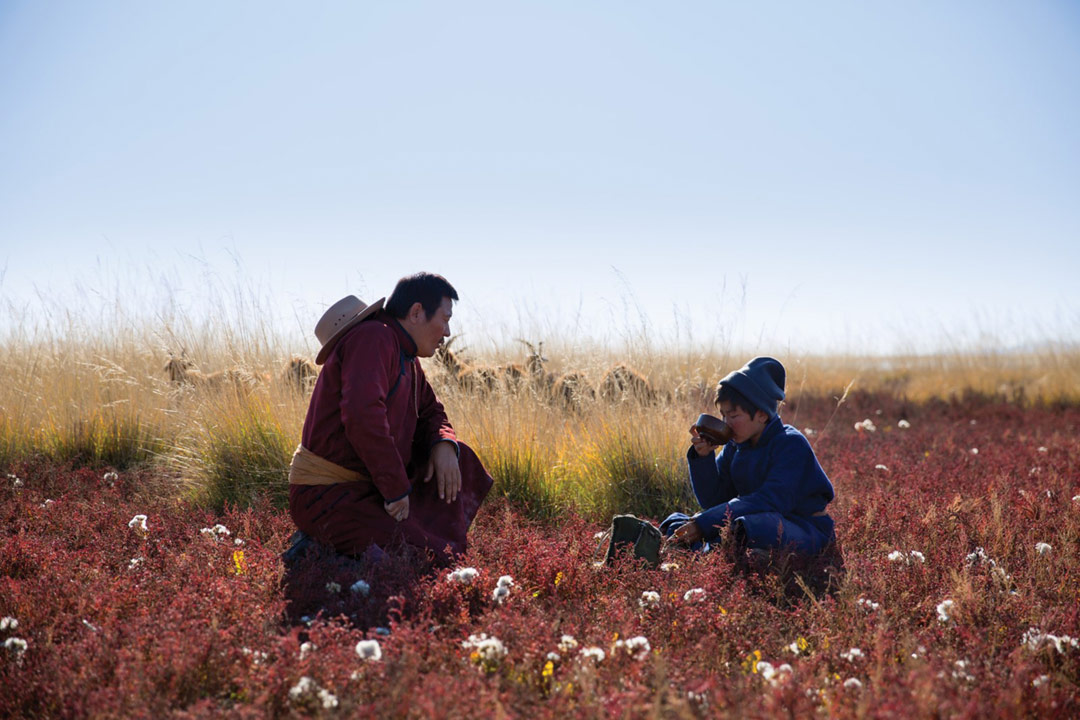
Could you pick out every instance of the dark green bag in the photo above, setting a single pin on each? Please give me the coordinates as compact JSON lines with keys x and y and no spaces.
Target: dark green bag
{"x":628,"y":531}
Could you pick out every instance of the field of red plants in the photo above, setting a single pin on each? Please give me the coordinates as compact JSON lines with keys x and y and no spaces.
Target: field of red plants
{"x":959,"y":526}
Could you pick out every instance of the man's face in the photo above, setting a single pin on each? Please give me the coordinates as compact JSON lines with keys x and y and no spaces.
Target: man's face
{"x":429,"y":332}
{"x":744,"y":426}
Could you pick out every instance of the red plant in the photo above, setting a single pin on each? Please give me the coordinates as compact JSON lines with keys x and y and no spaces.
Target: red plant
{"x":118,"y":622}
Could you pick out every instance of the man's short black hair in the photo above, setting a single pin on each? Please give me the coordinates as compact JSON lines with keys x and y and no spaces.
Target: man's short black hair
{"x":425,"y":288}
{"x":727,"y":394}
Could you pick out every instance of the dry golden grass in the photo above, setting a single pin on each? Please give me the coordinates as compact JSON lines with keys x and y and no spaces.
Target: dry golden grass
{"x":105,"y":399}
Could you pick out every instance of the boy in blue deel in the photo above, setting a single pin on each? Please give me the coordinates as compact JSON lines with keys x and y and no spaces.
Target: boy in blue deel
{"x":767,"y":482}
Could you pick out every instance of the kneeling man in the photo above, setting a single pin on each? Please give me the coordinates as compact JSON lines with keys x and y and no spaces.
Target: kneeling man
{"x":379,"y":462}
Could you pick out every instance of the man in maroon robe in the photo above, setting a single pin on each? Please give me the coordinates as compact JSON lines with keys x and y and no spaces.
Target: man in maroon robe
{"x":379,"y":462}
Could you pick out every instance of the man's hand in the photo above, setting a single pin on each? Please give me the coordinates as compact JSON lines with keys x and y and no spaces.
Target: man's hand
{"x":399,"y":509}
{"x":701,"y":446}
{"x":444,"y":465}
{"x":688,"y":534}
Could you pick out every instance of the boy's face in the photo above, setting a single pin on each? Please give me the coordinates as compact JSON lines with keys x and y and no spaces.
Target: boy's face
{"x":744,"y":426}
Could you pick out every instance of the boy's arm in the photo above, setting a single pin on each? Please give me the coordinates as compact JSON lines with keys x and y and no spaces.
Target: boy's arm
{"x":710,"y":476}
{"x":786,"y":481}
{"x":780,"y":492}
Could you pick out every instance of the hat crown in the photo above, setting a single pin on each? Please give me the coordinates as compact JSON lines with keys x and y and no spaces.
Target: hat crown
{"x":338,"y":318}
{"x":761,"y":381}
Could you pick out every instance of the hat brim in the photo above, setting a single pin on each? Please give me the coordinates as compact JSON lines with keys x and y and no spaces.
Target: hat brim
{"x":359,"y":317}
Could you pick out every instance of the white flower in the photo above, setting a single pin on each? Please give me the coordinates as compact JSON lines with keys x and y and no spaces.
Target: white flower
{"x":465,"y":575}
{"x":773,"y":675}
{"x":852,"y":655}
{"x":637,"y":647}
{"x":500,"y":593}
{"x":360,"y":588}
{"x":15,"y":481}
{"x":852,"y":684}
{"x":1035,"y":639}
{"x":907,"y":558}
{"x":944,"y":610}
{"x":1041,"y":680}
{"x":307,"y":648}
{"x":8,"y":623}
{"x":868,"y":604}
{"x":328,"y":699}
{"x":369,"y":650}
{"x":694,"y":595}
{"x":333,"y":587}
{"x":649,"y":599}
{"x":17,"y":647}
{"x":1076,"y":498}
{"x":302,"y":688}
{"x":490,"y":649}
{"x":258,"y":657}
{"x":238,"y":542}
{"x":961,"y":673}
{"x":1043,"y":548}
{"x":867,"y":425}
{"x":110,"y":477}
{"x":879,"y":466}
{"x":1042,"y":449}
{"x":980,"y":557}
{"x":504,"y":581}
{"x":808,"y":431}
{"x":135,"y":562}
{"x":567,"y":643}
{"x":554,"y":657}
{"x":593,"y":653}
{"x":47,"y":503}
{"x":217,"y":532}
{"x":670,"y":566}
{"x":903,"y":424}
{"x":974,"y":451}
{"x":139,"y":523}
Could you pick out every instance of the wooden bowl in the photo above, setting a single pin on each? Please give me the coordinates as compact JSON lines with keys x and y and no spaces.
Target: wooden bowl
{"x":713,"y":429}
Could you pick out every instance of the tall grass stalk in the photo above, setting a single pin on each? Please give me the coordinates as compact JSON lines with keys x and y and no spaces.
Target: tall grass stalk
{"x":95,"y":392}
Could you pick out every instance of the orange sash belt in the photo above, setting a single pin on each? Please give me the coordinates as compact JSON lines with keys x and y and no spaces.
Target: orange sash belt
{"x":307,"y":468}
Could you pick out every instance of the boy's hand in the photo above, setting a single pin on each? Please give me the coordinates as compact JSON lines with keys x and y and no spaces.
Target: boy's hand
{"x":701,"y":446}
{"x":688,"y":534}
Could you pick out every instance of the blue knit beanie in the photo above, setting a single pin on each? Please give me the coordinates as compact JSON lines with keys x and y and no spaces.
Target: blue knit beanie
{"x":761,"y":381}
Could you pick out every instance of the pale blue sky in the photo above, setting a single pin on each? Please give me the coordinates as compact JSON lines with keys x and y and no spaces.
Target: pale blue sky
{"x":799,"y":176}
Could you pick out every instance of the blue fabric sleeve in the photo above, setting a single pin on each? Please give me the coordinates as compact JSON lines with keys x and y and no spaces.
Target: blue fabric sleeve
{"x":710,"y":478}
{"x":781,"y":488}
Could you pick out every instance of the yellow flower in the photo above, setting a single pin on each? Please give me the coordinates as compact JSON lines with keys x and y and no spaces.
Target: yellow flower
{"x":722,"y":610}
{"x":549,"y":669}
{"x":802,"y":644}
{"x":558,"y":578}
{"x":238,"y":559}
{"x":750,"y":663}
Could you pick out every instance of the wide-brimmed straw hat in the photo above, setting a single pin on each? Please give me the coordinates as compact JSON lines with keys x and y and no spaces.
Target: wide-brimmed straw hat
{"x":341,"y":316}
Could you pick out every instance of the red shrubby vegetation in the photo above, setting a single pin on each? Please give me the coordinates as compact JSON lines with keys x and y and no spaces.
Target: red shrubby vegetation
{"x":117,"y":622}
